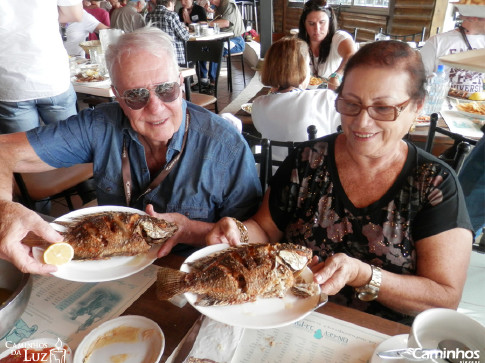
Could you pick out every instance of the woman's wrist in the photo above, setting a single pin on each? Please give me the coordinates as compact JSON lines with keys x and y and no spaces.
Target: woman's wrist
{"x":336,"y":75}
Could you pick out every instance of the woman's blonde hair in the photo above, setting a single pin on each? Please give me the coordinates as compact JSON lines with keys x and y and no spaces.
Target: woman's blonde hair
{"x":286,"y":63}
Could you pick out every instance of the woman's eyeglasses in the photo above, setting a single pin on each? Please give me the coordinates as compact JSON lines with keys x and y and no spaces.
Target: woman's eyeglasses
{"x":137,"y":98}
{"x":379,"y":113}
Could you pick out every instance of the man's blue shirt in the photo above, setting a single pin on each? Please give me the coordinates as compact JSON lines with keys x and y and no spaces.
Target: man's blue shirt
{"x":215,"y":176}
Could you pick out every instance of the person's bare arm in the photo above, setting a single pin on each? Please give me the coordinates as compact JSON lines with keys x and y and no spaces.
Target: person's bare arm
{"x":442,"y":263}
{"x":70,"y":14}
{"x":16,"y":155}
{"x":346,"y":49}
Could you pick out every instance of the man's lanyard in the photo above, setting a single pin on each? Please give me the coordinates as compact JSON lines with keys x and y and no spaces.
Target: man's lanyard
{"x":463,"y":34}
{"x":126,"y":170}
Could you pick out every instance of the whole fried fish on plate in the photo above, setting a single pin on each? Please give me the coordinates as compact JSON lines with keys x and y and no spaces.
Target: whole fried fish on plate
{"x":107,"y":234}
{"x":241,"y":274}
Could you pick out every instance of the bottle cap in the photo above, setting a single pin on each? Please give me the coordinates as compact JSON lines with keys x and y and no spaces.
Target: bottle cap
{"x":441,"y":68}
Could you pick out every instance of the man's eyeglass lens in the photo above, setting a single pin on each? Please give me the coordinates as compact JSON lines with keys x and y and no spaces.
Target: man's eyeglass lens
{"x":379,"y":113}
{"x":137,"y":98}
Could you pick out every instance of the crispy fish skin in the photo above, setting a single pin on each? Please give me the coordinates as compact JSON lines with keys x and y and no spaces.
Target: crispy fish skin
{"x":107,"y":234}
{"x":237,"y":275}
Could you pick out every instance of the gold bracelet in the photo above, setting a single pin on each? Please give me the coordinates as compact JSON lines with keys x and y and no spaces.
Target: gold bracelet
{"x":243,"y":231}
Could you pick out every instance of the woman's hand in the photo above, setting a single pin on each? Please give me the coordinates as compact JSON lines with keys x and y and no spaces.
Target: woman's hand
{"x":339,"y":270}
{"x":333,"y":83}
{"x":16,"y":222}
{"x":224,"y":231}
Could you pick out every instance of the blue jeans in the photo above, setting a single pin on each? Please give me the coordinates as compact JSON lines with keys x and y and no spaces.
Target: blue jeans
{"x":239,"y":45}
{"x":25,"y":115}
{"x":472,"y":180}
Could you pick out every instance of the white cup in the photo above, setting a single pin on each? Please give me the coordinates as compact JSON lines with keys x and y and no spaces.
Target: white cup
{"x":435,"y":325}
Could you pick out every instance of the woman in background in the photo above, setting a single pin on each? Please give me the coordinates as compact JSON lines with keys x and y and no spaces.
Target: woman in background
{"x":330,"y":49}
{"x":286,"y":112}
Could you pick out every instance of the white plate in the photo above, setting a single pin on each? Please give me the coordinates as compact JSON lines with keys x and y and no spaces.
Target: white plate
{"x":471,"y":114}
{"x":104,"y":82}
{"x":261,"y":314}
{"x":248,"y":107}
{"x":395,"y":342}
{"x":147,"y":346}
{"x":61,"y":350}
{"x":99,"y":270}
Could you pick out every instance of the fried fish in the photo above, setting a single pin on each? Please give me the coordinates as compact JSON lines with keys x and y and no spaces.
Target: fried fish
{"x":240,"y":274}
{"x":107,"y":234}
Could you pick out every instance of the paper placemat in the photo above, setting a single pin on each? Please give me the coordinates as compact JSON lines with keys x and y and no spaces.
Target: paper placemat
{"x":70,"y":310}
{"x":461,"y":124}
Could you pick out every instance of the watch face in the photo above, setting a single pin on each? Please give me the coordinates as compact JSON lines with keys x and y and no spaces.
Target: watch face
{"x":367,"y":296}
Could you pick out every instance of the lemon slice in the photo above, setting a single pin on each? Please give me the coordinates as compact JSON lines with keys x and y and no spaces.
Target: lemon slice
{"x":477,"y":96}
{"x":58,"y":254}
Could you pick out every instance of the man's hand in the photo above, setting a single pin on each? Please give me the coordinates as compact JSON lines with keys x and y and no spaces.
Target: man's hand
{"x":179,"y":237}
{"x":16,"y":222}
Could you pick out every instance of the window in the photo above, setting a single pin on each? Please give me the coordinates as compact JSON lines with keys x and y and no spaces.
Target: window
{"x":372,"y":3}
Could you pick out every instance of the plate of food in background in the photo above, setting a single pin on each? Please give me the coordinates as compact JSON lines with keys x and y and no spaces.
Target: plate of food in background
{"x":108,"y":242}
{"x":247,"y":107}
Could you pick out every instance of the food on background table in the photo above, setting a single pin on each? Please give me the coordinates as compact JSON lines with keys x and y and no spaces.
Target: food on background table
{"x":241,"y":274}
{"x":248,"y":107}
{"x":89,"y":75}
{"x":477,"y":96}
{"x":107,"y":234}
{"x":58,"y":253}
{"x":472,"y":107}
{"x":315,"y":81}
{"x":453,"y":92}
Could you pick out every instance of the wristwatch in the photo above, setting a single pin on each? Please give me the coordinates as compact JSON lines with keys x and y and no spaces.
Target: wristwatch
{"x":370,"y":291}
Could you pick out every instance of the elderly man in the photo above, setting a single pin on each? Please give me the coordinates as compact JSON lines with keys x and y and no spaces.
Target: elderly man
{"x":470,"y":35}
{"x":129,"y":18}
{"x":151,"y":151}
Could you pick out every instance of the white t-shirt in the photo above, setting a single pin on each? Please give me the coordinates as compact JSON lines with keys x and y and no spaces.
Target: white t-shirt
{"x":286,"y":116}
{"x":334,"y":59}
{"x":449,"y":43}
{"x":77,"y":33}
{"x":33,"y":61}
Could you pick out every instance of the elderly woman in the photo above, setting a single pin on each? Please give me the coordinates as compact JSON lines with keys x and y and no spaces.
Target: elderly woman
{"x":191,"y":12}
{"x":330,"y":49}
{"x":288,"y":110}
{"x":387,"y":220}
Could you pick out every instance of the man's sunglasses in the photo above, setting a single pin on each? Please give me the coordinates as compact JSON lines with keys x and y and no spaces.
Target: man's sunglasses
{"x":137,"y":98}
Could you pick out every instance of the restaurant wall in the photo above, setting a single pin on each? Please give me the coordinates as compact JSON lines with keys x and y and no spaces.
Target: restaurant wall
{"x":404,"y":17}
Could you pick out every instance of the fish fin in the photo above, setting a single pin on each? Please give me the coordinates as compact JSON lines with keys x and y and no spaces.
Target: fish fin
{"x":170,"y":282}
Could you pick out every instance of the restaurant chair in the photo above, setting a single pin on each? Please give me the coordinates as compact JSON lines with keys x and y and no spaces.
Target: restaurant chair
{"x":64,"y":183}
{"x":455,"y":155}
{"x":205,"y":51}
{"x":260,"y":147}
{"x":249,"y":14}
{"x":229,"y":72}
{"x":413,"y":37}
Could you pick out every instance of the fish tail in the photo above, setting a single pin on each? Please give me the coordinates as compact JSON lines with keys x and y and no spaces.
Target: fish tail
{"x":170,"y":282}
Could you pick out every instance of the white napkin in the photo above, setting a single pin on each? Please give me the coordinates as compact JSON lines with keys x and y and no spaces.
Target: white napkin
{"x":215,"y":341}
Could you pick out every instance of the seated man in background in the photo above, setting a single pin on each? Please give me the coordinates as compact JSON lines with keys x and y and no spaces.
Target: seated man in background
{"x":470,"y":35}
{"x":129,"y":18}
{"x":207,"y":166}
{"x":167,"y":20}
{"x":229,"y":19}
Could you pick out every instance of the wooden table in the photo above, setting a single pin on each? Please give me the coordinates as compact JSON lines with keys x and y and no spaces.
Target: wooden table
{"x":175,"y":322}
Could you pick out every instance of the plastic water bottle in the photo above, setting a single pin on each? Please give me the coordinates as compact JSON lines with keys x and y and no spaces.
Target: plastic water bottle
{"x":437,"y":87}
